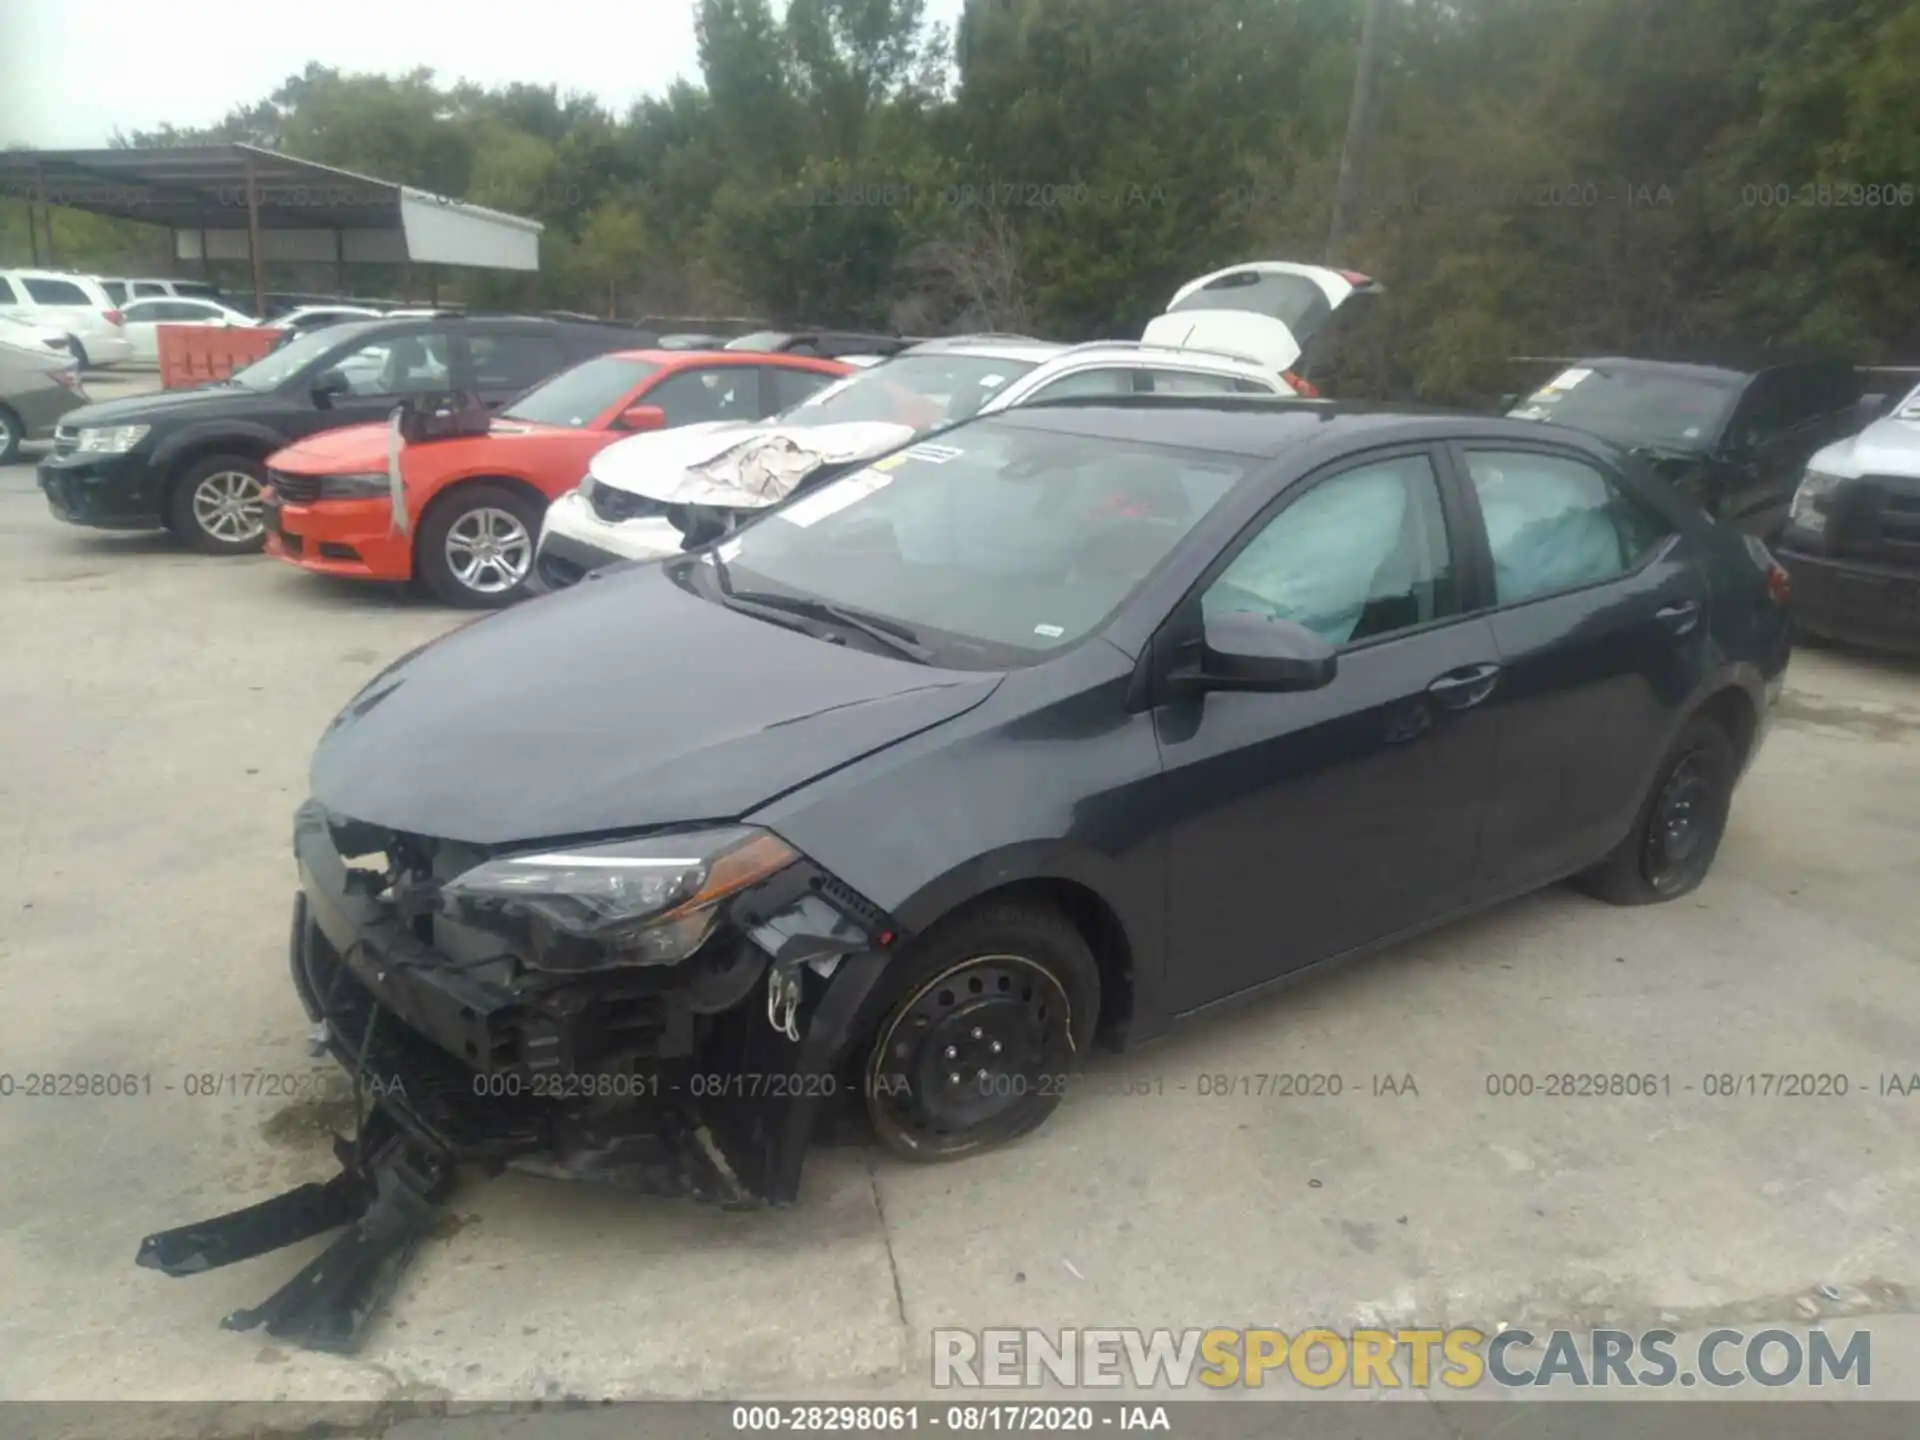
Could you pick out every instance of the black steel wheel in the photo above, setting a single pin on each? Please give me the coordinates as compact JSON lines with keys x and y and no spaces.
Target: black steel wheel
{"x":1673,"y":842}
{"x":990,"y":1016}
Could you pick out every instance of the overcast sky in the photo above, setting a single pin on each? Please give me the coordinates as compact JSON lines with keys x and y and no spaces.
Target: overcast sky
{"x":72,"y":71}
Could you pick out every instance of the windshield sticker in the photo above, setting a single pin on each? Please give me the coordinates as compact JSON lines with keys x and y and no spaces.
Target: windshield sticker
{"x":1692,"y":432}
{"x":891,"y":462}
{"x":932,"y":454}
{"x":1052,"y":632}
{"x":1567,"y":379}
{"x":992,"y":382}
{"x":1529,"y":412}
{"x":834,"y":498}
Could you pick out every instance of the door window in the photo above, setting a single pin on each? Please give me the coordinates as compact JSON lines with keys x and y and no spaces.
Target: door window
{"x":711,"y":392}
{"x":405,"y":365}
{"x":54,"y":292}
{"x":1358,"y":556}
{"x":1187,"y":382}
{"x":781,"y":388}
{"x":1107,"y":381}
{"x":1556,"y":523}
{"x":514,"y":362}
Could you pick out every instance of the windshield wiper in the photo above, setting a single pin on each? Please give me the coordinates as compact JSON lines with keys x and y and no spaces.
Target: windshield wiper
{"x":896,"y":637}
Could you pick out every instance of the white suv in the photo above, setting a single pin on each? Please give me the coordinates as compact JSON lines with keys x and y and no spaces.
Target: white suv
{"x":620,"y":511}
{"x":76,"y":305}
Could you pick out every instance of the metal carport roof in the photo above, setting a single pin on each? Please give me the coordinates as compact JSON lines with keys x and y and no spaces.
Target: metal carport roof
{"x":243,"y":202}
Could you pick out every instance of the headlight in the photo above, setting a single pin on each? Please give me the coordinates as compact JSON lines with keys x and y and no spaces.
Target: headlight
{"x":649,"y":901}
{"x":112,"y":439}
{"x":372,"y":485}
{"x":1809,"y":510}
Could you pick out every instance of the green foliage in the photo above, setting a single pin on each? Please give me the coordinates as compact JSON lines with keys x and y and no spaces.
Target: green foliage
{"x":1539,"y":176}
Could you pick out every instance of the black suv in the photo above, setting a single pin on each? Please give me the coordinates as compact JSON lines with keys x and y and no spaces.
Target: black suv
{"x":1733,"y":438}
{"x":192,"y":461}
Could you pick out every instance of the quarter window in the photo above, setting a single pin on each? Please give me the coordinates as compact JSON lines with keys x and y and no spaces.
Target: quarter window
{"x":1107,"y":381}
{"x":1358,"y":556}
{"x":1187,"y":382}
{"x":1555,"y":523}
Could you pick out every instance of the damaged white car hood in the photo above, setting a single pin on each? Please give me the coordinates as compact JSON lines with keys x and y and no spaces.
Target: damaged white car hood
{"x":736,"y":466}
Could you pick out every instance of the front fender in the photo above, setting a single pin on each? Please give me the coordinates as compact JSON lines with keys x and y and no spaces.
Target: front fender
{"x":240,"y":437}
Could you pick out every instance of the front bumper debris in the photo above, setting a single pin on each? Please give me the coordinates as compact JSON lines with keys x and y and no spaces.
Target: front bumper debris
{"x":704,"y":1081}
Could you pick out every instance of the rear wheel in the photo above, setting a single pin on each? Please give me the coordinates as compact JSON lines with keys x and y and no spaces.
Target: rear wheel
{"x":476,"y":546}
{"x":1677,"y":834}
{"x":12,"y":432}
{"x":990,"y":1013}
{"x":217,"y":506}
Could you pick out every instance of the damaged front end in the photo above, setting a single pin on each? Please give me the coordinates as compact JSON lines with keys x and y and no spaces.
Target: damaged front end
{"x":666,"y":1012}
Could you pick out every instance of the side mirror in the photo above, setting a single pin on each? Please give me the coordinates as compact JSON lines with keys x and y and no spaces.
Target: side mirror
{"x":1507,"y":402}
{"x":643,"y":417}
{"x":329,"y":383}
{"x":1251,"y":652}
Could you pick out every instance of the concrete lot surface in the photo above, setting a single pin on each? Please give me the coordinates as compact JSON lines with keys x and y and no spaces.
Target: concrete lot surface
{"x":159,"y":709}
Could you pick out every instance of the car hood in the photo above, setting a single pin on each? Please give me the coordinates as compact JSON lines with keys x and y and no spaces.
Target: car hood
{"x":1890,"y":446}
{"x":208,"y":400}
{"x":618,"y":704}
{"x":348,"y":450}
{"x":762,"y":462}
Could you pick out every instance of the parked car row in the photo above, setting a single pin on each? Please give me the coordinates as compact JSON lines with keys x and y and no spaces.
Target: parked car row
{"x":670,"y":442}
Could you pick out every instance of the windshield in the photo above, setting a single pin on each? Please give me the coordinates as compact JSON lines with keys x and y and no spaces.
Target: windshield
{"x":917,"y":390}
{"x":997,"y":545}
{"x":578,"y":396}
{"x":281,"y":365}
{"x":1662,"y":408}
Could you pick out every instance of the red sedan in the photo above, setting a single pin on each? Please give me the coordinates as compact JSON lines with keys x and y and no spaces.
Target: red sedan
{"x":474,"y":504}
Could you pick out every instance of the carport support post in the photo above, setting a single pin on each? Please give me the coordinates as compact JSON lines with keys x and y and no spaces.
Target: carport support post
{"x":253,"y":244}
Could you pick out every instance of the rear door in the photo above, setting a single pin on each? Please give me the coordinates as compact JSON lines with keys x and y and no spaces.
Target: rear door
{"x":1599,"y":613}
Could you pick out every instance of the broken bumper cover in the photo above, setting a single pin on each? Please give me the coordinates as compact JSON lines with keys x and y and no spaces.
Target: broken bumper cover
{"x":714,"y":1104}
{"x":640,"y":1078}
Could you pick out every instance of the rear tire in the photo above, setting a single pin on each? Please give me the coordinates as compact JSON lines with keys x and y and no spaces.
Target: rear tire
{"x":476,"y":546}
{"x":216,"y":505}
{"x":1677,"y":832}
{"x":987,"y":1014}
{"x":12,"y":432}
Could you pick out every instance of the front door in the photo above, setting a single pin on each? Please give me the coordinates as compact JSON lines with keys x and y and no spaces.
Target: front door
{"x":1306,"y":825}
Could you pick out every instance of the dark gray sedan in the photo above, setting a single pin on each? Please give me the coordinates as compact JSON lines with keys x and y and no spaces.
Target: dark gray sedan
{"x":36,"y":388}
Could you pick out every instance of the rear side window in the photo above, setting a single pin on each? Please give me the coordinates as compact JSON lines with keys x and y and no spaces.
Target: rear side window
{"x":54,"y":292}
{"x":513,"y":362}
{"x":1555,"y":523}
{"x":116,"y":291}
{"x":1186,"y":382}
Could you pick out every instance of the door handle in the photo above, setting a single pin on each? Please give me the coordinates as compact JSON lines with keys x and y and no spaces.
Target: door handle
{"x":1465,"y":687}
{"x":1679,"y":617}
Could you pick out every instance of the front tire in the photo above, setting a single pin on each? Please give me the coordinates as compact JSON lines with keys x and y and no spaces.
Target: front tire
{"x":476,"y":546}
{"x":989,"y":1013}
{"x":1678,"y":830}
{"x":216,"y":505}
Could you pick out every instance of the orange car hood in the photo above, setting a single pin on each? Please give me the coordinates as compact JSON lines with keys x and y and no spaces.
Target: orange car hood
{"x":357,"y":449}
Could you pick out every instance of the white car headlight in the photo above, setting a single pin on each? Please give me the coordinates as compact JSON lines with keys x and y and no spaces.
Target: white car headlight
{"x":1807,"y":513}
{"x":112,"y":439}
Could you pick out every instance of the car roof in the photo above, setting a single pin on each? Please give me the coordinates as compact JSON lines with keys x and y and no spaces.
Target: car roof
{"x":1036,"y":351}
{"x":1257,"y":426}
{"x":681,"y":359}
{"x":1725,"y":366}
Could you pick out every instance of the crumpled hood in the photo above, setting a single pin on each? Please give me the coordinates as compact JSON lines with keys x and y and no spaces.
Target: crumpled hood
{"x":737,"y":467}
{"x":1889,"y":446}
{"x":620,"y":703}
